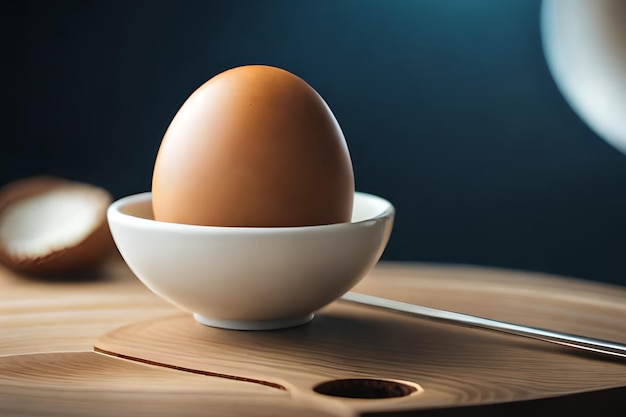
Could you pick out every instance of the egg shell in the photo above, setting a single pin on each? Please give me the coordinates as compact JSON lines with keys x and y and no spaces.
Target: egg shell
{"x":84,"y":255}
{"x":255,"y":146}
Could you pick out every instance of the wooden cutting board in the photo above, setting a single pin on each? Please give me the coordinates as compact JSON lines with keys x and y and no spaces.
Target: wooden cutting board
{"x":170,"y":365}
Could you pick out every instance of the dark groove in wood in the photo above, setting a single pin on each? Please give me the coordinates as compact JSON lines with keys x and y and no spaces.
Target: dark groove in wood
{"x":190,"y":370}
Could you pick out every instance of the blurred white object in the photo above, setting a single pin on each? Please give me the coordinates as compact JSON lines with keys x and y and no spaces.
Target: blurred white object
{"x":585,"y":46}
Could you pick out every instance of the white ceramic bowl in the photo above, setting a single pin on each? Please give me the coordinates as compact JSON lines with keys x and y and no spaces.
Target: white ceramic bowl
{"x":250,"y":278}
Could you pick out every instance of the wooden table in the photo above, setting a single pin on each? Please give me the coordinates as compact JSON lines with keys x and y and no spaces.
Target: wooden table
{"x":152,"y":359}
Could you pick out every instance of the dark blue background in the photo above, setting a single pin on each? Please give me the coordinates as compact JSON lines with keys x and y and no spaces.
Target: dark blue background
{"x":448,"y":108}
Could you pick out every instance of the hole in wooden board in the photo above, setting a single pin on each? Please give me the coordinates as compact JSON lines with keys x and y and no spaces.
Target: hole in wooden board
{"x":365,"y":388}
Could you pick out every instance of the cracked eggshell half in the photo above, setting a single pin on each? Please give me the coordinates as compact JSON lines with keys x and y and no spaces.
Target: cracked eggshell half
{"x":53,"y":226}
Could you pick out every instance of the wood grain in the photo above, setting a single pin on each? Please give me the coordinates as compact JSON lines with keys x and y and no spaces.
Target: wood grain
{"x":47,"y":329}
{"x":56,"y":315}
{"x":455,"y":366}
{"x":88,"y":384}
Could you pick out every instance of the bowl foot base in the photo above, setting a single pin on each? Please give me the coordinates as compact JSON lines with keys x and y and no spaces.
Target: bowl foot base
{"x":253,"y":324}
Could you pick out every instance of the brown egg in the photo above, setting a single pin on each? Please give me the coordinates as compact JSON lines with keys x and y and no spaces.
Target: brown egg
{"x":254,"y":146}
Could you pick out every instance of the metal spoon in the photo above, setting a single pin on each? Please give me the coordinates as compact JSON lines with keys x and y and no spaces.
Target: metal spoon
{"x":570,"y":340}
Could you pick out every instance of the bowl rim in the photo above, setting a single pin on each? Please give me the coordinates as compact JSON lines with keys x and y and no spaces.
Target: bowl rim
{"x":114,"y":213}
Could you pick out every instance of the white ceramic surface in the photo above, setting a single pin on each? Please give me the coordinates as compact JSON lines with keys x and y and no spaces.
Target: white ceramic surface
{"x":250,"y":278}
{"x":585,"y":46}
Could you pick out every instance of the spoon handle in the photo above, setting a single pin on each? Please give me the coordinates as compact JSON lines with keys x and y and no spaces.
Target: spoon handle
{"x":578,"y":342}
